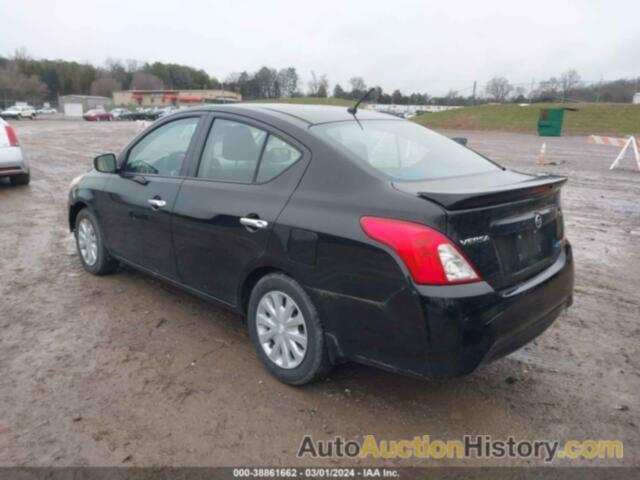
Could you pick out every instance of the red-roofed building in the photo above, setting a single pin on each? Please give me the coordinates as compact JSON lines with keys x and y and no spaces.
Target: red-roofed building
{"x":165,"y":98}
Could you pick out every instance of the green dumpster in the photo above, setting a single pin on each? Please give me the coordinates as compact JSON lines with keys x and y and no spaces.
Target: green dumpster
{"x":550,"y":121}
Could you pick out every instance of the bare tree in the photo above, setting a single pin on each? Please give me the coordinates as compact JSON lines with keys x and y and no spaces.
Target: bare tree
{"x":133,"y":65}
{"x":313,"y":84}
{"x":358,"y":87}
{"x":451,"y":95}
{"x":318,"y":85}
{"x":323,"y":91}
{"x":569,"y":80}
{"x":266,"y":81}
{"x":146,"y":81}
{"x":288,"y":81}
{"x":17,"y":86}
{"x":498,"y":89}
{"x":547,"y":91}
{"x":105,"y":86}
{"x":338,"y":91}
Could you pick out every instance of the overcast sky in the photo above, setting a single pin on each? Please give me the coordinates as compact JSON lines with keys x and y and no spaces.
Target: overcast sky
{"x":424,"y":46}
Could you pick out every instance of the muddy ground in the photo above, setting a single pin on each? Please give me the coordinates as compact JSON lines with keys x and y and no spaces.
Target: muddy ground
{"x":124,"y":370}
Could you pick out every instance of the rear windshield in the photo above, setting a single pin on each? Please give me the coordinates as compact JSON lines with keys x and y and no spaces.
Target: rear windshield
{"x":404,"y":150}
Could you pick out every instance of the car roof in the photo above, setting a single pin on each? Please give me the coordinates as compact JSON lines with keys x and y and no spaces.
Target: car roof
{"x":309,"y":114}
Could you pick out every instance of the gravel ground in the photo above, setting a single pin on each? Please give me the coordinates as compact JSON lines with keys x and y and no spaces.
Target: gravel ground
{"x":124,"y":370}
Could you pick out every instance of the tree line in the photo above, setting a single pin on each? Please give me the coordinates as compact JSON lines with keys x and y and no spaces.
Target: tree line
{"x":25,"y":78}
{"x":568,"y":87}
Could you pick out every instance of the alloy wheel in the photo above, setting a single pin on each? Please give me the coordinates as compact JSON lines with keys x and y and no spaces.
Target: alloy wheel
{"x":87,"y":242}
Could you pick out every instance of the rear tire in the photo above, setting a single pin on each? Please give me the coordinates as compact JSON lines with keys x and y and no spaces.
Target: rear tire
{"x":280,"y":339}
{"x":21,"y":179}
{"x":90,"y":244}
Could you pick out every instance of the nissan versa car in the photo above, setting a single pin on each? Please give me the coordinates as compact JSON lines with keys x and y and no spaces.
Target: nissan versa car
{"x":340,"y":235}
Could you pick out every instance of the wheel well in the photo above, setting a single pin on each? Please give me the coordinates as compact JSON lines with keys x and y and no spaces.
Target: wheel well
{"x":74,"y":210}
{"x":250,"y":282}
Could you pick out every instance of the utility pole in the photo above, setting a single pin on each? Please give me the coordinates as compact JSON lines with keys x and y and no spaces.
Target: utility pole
{"x":531,"y":90}
{"x":473,"y":96}
{"x":599,"y":87}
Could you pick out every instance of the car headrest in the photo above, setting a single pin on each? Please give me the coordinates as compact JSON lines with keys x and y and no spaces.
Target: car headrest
{"x":239,"y":144}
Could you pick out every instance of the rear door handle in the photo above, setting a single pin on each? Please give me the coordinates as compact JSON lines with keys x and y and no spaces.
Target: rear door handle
{"x":254,"y":223}
{"x":156,"y":203}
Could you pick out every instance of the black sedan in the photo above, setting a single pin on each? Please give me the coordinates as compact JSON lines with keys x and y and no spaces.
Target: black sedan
{"x":146,"y":114}
{"x":339,"y":235}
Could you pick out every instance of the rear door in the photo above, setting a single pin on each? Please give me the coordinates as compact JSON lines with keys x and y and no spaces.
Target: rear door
{"x":135,"y":207}
{"x":223,"y":217}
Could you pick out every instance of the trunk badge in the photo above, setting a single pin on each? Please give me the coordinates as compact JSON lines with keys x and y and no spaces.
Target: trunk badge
{"x":472,"y":240}
{"x":537,"y":220}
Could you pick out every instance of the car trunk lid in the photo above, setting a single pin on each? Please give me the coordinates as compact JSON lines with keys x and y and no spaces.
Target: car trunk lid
{"x":508,"y":224}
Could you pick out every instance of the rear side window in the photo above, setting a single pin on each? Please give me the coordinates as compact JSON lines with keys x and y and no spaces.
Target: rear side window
{"x":232,"y":152}
{"x":277,"y":157}
{"x":403,"y":150}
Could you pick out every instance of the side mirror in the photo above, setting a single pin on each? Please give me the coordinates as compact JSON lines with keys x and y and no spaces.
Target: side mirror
{"x":106,"y":163}
{"x":461,"y":140}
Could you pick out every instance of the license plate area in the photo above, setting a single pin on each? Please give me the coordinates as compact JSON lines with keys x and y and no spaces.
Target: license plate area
{"x":524,"y":250}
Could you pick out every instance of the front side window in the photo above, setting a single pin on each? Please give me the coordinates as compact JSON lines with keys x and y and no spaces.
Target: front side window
{"x":232,"y":152}
{"x":403,"y":150}
{"x":163,"y":151}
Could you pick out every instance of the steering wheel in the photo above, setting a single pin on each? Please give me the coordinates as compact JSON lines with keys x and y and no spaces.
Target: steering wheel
{"x":143,"y":167}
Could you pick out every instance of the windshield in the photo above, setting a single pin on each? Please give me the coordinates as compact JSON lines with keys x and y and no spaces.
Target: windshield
{"x":404,"y":150}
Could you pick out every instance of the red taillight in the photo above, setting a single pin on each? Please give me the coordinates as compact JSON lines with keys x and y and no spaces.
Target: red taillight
{"x":11,"y":135}
{"x":431,"y":257}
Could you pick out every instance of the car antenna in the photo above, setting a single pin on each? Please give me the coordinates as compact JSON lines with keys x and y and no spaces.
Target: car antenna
{"x":353,"y":110}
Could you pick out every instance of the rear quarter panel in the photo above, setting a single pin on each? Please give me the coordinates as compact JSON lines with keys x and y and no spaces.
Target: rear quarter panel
{"x":362,"y":290}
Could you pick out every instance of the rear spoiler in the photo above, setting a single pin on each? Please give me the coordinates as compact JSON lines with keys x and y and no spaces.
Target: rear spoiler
{"x":481,"y":197}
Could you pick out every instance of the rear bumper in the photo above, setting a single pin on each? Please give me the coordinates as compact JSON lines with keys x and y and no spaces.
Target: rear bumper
{"x":448,"y":331}
{"x":12,"y":162}
{"x":467,"y":331}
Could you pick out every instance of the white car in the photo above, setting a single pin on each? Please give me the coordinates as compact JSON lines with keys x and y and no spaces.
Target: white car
{"x":19,"y":112}
{"x":46,"y":111}
{"x":12,"y":161}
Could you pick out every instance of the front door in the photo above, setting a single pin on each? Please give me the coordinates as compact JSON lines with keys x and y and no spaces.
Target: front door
{"x":138,"y":201}
{"x":226,"y":211}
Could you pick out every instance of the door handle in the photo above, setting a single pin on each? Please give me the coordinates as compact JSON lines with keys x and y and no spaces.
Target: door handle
{"x":156,"y":203}
{"x":254,"y":223}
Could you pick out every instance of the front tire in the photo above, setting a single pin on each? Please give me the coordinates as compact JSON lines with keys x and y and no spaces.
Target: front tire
{"x":90,"y":244}
{"x":286,"y":330}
